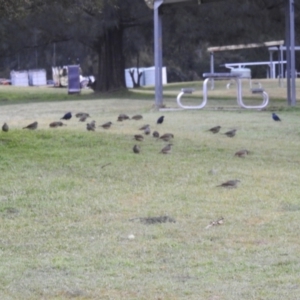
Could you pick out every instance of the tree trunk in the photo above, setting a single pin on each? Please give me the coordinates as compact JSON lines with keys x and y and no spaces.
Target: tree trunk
{"x":111,"y":64}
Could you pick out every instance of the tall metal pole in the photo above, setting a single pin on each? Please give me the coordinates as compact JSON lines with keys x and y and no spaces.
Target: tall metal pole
{"x":290,"y":52}
{"x":158,"y":54}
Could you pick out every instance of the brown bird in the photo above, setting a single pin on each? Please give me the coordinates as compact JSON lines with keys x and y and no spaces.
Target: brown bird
{"x":106,"y":125}
{"x":242,"y":153}
{"x":230,"y":133}
{"x":136,"y":149}
{"x":83,"y":118}
{"x":56,"y":124}
{"x":155,"y":134}
{"x":122,"y":117}
{"x":90,"y":127}
{"x":138,"y":137}
{"x":5,"y":127}
{"x":82,"y":114}
{"x":230,"y":183}
{"x":32,"y":126}
{"x":147,"y":130}
{"x":215,"y":129}
{"x":167,"y":137}
{"x":144,"y":127}
{"x":167,"y":149}
{"x":137,"y":117}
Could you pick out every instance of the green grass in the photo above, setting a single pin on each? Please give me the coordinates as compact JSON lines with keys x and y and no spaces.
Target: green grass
{"x":69,"y":199}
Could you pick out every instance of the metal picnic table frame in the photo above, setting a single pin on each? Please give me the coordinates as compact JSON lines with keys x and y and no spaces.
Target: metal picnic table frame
{"x":223,"y":76}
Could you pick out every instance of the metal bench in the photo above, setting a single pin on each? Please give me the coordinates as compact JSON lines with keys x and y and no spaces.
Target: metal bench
{"x":263,"y":104}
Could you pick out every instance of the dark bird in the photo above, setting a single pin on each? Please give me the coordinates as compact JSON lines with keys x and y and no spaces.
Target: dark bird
{"x":137,"y":117}
{"x":167,"y":149}
{"x":5,"y":127}
{"x":147,"y":130}
{"x":242,"y":153}
{"x":67,"y":116}
{"x":106,"y":125}
{"x":275,"y":117}
{"x":167,"y":137}
{"x":155,"y":134}
{"x":160,"y":120}
{"x":138,"y":137}
{"x":32,"y":126}
{"x":136,"y":149}
{"x":122,"y":117}
{"x":215,"y":129}
{"x":144,"y":127}
{"x":230,"y":133}
{"x":56,"y":124}
{"x":230,"y":183}
{"x":82,"y":114}
{"x":90,"y":127}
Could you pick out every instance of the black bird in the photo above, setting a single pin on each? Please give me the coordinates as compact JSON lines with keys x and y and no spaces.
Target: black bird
{"x":215,"y":129}
{"x":275,"y":117}
{"x":67,"y":116}
{"x":155,"y":134}
{"x":31,"y":126}
{"x":160,"y":120}
{"x":136,"y":149}
{"x":230,"y":183}
{"x":5,"y":127}
{"x":56,"y":124}
{"x":230,"y":133}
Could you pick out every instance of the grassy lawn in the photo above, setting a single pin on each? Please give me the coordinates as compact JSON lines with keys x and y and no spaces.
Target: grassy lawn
{"x":72,"y":202}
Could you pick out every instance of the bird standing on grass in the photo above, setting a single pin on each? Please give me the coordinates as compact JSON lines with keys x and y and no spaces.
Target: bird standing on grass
{"x":5,"y":127}
{"x":83,"y":118}
{"x":56,"y":124}
{"x":137,"y":117}
{"x":155,"y":134}
{"x":230,"y":133}
{"x":167,"y":136}
{"x":147,"y":130}
{"x":167,"y":149}
{"x":82,"y":114}
{"x":242,"y":153}
{"x":230,"y":183}
{"x":67,"y":116}
{"x":106,"y":125}
{"x":122,"y":117}
{"x":138,"y":137}
{"x":215,"y":129}
{"x":31,"y":126}
{"x":144,"y":127}
{"x":275,"y":117}
{"x":136,"y":149}
{"x":160,"y":120}
{"x":90,"y":127}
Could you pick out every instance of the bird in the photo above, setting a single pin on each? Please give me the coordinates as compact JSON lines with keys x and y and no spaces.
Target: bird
{"x":230,"y":133}
{"x":147,"y":130}
{"x":155,"y":134}
{"x":137,"y":117}
{"x":82,"y":114}
{"x":241,"y":153}
{"x":275,"y":117}
{"x":229,"y":183}
{"x":106,"y":125}
{"x":215,"y":129}
{"x":5,"y":127}
{"x":90,"y":127}
{"x":83,"y":118}
{"x":144,"y":127}
{"x":67,"y":116}
{"x":167,"y":137}
{"x":166,"y":149}
{"x":138,"y":137}
{"x":122,"y":117}
{"x":56,"y":124}
{"x":136,"y":149}
{"x":31,"y":126}
{"x":160,"y":120}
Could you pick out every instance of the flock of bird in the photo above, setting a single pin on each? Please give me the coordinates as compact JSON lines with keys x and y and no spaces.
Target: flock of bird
{"x":140,"y":137}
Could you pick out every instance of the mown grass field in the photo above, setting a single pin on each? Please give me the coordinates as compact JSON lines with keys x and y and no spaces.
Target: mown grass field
{"x":70,"y":200}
